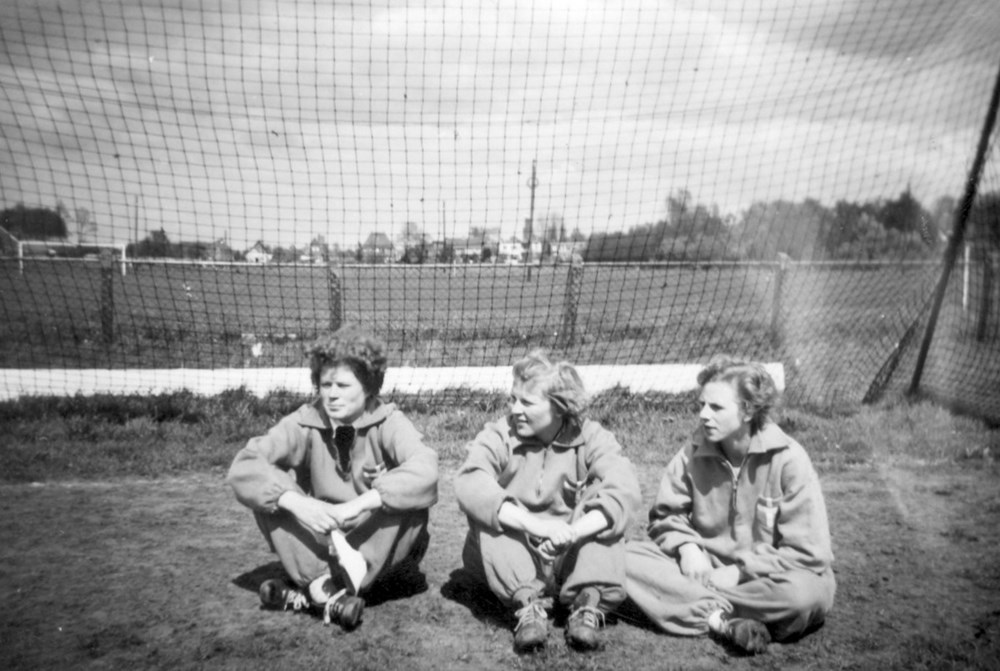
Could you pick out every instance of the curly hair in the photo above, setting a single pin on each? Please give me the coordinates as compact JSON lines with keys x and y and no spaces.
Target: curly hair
{"x":754,"y":386}
{"x":559,"y":382}
{"x":355,"y":348}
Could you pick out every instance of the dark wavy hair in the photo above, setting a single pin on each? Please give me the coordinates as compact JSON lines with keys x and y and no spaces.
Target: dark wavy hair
{"x":350,"y":346}
{"x":754,"y":386}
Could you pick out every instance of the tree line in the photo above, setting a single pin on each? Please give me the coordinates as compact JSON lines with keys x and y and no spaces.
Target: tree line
{"x":808,"y":230}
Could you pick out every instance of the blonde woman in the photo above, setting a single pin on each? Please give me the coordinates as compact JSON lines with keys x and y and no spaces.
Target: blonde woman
{"x":341,"y":487}
{"x":739,"y":540}
{"x":548,"y":494}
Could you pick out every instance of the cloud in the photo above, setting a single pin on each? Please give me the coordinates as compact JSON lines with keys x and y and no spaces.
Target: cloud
{"x":339,"y":119}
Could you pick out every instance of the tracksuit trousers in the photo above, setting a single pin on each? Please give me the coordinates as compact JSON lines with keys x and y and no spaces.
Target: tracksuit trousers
{"x":384,"y":539}
{"x":507,"y":563}
{"x":789,"y":603}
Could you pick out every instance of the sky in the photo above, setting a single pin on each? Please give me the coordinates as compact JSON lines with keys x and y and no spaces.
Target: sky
{"x":282,"y":121}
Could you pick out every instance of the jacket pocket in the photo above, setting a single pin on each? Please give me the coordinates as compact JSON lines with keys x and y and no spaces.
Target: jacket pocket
{"x":766,"y":518}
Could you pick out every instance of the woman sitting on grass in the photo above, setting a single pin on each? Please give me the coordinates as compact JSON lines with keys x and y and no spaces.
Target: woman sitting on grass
{"x":740,"y":542}
{"x":341,"y":487}
{"x":548,"y":495}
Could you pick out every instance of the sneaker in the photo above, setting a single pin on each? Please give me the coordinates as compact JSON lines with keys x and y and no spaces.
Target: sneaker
{"x":582,"y":626}
{"x":532,"y":625}
{"x":345,"y":609}
{"x":750,"y":636}
{"x":275,"y":594}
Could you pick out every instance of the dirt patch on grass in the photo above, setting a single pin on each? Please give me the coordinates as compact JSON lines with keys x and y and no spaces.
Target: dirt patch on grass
{"x":163,"y":574}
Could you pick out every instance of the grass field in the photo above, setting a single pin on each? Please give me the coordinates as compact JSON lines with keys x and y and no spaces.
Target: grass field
{"x":832,"y":327}
{"x":123,"y":548}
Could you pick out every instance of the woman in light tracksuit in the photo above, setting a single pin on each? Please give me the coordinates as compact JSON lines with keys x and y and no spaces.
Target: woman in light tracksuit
{"x":739,"y":539}
{"x":341,"y":487}
{"x":548,"y":495}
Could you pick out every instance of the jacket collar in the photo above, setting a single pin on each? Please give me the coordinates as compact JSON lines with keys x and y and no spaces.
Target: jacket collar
{"x":771,"y":437}
{"x":313,"y":416}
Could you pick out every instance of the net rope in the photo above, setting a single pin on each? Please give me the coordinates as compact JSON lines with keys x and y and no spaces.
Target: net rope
{"x":621,"y":183}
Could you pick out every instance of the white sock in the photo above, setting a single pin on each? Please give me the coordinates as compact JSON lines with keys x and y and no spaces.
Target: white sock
{"x":717,"y":621}
{"x":317,"y":590}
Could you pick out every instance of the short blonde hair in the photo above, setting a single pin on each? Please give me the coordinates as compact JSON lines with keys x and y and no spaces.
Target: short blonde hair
{"x":559,"y":382}
{"x":754,"y":386}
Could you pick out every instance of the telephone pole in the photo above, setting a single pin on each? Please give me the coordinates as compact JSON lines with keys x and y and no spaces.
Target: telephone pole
{"x":530,"y":223}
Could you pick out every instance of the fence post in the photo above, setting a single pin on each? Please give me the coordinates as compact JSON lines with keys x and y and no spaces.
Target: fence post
{"x":781,"y":269}
{"x":107,"y":296}
{"x":985,"y":294}
{"x":335,"y":296}
{"x":571,"y":301}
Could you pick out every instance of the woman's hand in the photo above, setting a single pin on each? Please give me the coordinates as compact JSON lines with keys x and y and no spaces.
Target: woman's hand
{"x":345,"y":513}
{"x":371,"y":472}
{"x":725,"y":577}
{"x":695,"y":563}
{"x":318,"y":516}
{"x":557,"y":535}
{"x":348,"y":513}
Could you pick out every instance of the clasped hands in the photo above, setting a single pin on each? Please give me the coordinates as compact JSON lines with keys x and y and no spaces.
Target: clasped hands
{"x":319,"y":516}
{"x":695,"y":564}
{"x":557,"y":536}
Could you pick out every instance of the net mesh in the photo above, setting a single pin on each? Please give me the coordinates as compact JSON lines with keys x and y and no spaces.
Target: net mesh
{"x":622,"y":183}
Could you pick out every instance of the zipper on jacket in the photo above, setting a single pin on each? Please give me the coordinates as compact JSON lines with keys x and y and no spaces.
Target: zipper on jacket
{"x":735,"y":476}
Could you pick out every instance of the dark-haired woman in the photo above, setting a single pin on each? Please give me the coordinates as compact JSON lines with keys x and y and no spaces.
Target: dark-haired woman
{"x":341,"y":487}
{"x":740,"y":543}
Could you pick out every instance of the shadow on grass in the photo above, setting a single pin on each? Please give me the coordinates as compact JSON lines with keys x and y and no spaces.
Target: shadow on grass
{"x":402,"y":582}
{"x":463,"y":588}
{"x":251,"y":580}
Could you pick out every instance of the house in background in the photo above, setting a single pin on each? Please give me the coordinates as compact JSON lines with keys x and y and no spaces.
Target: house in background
{"x":258,"y":254}
{"x":378,"y":248}
{"x":220,"y":251}
{"x":510,"y":251}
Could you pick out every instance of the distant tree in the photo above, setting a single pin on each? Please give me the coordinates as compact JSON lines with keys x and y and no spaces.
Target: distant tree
{"x":284,"y":254}
{"x":636,"y":244}
{"x":319,"y":247}
{"x":477,"y":234}
{"x":156,"y":245}
{"x":413,"y":235}
{"x":416,"y":254}
{"x":795,"y":229}
{"x":33,"y":223}
{"x":553,"y":227}
{"x":447,"y":252}
{"x":943,"y":213}
{"x":984,"y":221}
{"x":487,"y":255}
{"x":577,"y":236}
{"x":86,"y":226}
{"x":414,"y":244}
{"x":691,"y":231}
{"x":904,"y":214}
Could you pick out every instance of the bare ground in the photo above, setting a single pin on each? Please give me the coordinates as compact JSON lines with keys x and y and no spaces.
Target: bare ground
{"x":163,"y":574}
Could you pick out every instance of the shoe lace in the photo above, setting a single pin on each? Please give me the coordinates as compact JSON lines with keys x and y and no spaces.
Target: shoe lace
{"x":333,"y":606}
{"x":296,"y":600}
{"x":534,"y":612}
{"x":588,"y":616}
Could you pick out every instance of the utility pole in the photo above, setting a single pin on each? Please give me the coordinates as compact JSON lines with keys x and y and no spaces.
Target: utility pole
{"x":530,"y":224}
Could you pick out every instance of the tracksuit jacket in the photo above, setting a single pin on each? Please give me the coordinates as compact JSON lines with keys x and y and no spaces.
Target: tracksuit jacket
{"x":300,"y":454}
